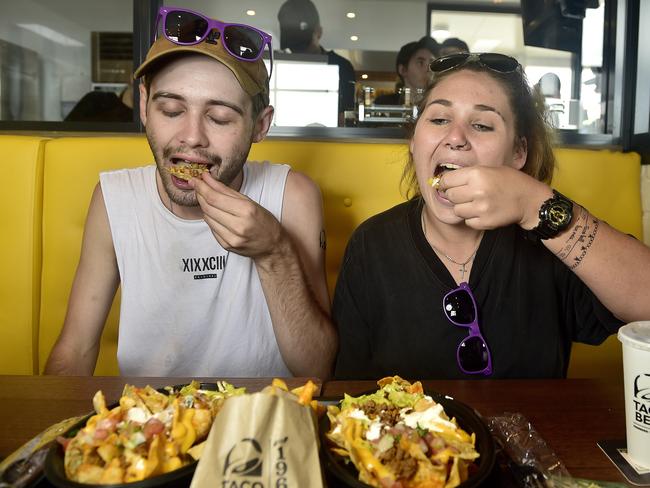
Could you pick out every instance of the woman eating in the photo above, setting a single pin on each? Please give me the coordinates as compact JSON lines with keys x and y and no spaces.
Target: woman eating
{"x":487,"y":271}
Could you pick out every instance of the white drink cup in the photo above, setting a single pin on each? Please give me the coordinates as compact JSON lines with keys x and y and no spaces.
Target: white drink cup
{"x":635,"y":338}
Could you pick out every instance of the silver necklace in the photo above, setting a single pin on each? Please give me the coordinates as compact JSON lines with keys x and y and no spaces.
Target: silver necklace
{"x":463,"y":266}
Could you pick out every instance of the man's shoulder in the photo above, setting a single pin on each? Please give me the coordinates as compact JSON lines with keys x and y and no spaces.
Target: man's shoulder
{"x":265,"y":163}
{"x":265,"y":169}
{"x":126,"y":172}
{"x":296,"y":184}
{"x":119,"y":183}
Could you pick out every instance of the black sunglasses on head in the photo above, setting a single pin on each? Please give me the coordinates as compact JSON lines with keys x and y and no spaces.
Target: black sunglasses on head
{"x":494,"y":61}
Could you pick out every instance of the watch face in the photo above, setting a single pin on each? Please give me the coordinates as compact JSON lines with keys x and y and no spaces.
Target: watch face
{"x":559,"y":215}
{"x":554,"y":216}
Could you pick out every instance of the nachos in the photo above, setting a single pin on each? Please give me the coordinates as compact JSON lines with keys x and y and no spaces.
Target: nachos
{"x":187,"y":171}
{"x":400,"y":437}
{"x":148,"y":433}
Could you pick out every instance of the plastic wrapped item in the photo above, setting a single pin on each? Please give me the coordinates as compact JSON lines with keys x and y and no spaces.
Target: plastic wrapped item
{"x":26,"y":471}
{"x":24,"y":467}
{"x":524,"y":459}
{"x":532,"y":463}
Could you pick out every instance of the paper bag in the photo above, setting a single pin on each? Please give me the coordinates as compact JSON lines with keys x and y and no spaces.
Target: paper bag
{"x":261,"y":441}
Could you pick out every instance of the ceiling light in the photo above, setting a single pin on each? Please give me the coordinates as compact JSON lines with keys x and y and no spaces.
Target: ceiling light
{"x":364,"y":76}
{"x":440,"y":32}
{"x":485,"y":45}
{"x":250,"y":12}
{"x":354,"y":38}
{"x":51,"y":34}
{"x":350,"y":15}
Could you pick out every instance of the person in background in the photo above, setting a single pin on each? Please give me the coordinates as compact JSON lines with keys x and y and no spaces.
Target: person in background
{"x":412,"y":67}
{"x":549,"y":85}
{"x":301,"y":31}
{"x":487,"y":272}
{"x":103,"y":106}
{"x":452,"y":45}
{"x":431,"y":44}
{"x":592,"y":115}
{"x":220,"y":260}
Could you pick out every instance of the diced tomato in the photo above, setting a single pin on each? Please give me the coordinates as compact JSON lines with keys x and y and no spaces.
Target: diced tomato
{"x":107,"y":424}
{"x":153,"y":427}
{"x":100,"y":434}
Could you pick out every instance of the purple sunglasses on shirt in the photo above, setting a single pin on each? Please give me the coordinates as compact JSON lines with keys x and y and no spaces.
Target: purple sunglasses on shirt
{"x":473,"y":355}
{"x":186,"y":27}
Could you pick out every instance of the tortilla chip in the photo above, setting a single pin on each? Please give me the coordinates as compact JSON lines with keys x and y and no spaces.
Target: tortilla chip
{"x":187,"y":171}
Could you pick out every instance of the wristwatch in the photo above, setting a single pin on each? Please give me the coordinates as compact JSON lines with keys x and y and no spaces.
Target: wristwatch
{"x":555,"y":216}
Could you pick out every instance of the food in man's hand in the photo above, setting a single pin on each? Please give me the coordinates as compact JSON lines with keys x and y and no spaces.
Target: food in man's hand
{"x":187,"y":171}
{"x":398,"y":436}
{"x":147,"y":434}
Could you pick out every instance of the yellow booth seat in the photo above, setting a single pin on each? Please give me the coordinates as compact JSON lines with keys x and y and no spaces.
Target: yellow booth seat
{"x":357,"y":180}
{"x":607,"y":183}
{"x":72,"y":167}
{"x":21,"y":167}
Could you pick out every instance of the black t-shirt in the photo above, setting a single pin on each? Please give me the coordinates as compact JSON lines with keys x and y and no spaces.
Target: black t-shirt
{"x":388,"y":304}
{"x":346,"y":80}
{"x":100,"y":106}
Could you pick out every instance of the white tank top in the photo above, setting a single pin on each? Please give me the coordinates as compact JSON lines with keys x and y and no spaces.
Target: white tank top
{"x":189,"y":307}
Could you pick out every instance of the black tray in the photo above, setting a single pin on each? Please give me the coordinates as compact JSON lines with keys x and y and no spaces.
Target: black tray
{"x":55,"y":472}
{"x":342,"y":474}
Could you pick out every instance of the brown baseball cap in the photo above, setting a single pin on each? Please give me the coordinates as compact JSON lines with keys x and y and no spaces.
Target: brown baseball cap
{"x":252,"y":75}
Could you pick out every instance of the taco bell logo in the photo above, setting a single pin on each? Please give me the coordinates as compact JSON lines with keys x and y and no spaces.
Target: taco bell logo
{"x":243,"y":461}
{"x":642,"y":402}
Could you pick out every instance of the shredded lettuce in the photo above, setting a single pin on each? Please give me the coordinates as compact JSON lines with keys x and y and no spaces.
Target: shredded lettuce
{"x":389,"y":394}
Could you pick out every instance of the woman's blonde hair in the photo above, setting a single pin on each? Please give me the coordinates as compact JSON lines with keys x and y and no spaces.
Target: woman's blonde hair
{"x":531,"y":123}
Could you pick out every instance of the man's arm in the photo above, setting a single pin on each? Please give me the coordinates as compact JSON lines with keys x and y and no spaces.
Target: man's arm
{"x":295,"y":284}
{"x":95,"y":283}
{"x":289,"y":258}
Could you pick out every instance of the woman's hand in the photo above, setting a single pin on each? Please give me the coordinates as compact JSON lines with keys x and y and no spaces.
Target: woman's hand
{"x":488,"y":197}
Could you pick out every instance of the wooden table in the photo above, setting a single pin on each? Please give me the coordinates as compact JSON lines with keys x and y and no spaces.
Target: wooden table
{"x":570,"y":415}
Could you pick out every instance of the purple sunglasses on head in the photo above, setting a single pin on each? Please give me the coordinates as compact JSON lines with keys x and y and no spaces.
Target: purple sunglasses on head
{"x":186,"y":27}
{"x":472,"y":355}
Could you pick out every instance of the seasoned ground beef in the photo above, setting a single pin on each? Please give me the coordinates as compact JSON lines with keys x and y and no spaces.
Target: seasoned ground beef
{"x":399,"y":462}
{"x":388,"y":414}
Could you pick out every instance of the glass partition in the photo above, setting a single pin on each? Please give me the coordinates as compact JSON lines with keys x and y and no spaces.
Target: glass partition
{"x":73,"y":59}
{"x":69,"y":60}
{"x":365,"y":36}
{"x":561,"y":51}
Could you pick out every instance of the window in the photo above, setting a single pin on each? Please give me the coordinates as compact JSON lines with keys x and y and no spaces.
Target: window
{"x":63,"y":60}
{"x":53,"y":53}
{"x":561,"y":55}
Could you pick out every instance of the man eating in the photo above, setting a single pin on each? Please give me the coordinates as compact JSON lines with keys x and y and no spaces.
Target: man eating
{"x":222,"y":273}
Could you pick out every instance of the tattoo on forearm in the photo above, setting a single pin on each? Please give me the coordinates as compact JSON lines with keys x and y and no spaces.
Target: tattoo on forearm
{"x":580,"y":240}
{"x":323,"y":240}
{"x":571,"y":241}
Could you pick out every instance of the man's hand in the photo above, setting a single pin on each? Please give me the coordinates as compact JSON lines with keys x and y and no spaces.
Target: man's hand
{"x":289,"y":261}
{"x":239,"y":224}
{"x":489,"y":197}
